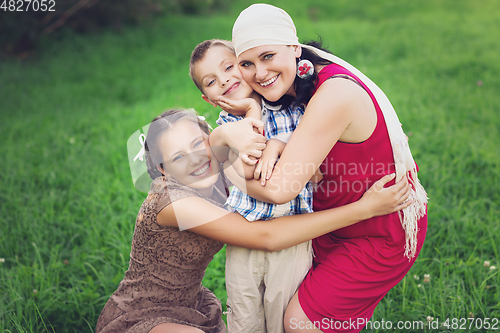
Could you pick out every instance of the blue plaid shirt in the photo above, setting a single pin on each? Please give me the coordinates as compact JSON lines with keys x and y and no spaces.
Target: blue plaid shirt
{"x":278,"y":124}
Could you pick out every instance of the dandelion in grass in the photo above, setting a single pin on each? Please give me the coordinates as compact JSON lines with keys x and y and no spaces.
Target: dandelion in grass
{"x":486,"y":263}
{"x":2,"y":259}
{"x":416,"y":277}
{"x":35,"y":291}
{"x":427,"y":278}
{"x":492,"y":268}
{"x":419,"y":286}
{"x":429,"y":318}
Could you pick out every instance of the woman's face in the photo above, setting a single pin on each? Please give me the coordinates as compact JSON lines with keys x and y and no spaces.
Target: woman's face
{"x":270,"y":69}
{"x":187,"y":155}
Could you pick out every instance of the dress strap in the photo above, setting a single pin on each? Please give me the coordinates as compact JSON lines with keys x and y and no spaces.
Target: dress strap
{"x":345,"y":76}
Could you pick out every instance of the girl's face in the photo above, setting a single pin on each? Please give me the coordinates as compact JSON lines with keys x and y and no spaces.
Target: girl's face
{"x":270,"y":69}
{"x":187,"y":155}
{"x":219,"y":76}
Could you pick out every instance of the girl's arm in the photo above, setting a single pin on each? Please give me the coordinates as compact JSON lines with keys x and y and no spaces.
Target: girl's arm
{"x":280,"y":233}
{"x":336,"y":111}
{"x":230,"y":134}
{"x":262,"y":170}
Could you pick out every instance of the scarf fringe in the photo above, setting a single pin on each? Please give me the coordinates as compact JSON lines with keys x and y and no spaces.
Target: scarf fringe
{"x":410,"y":216}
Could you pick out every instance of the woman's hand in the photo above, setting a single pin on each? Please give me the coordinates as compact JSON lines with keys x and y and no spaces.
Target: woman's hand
{"x":380,"y":200}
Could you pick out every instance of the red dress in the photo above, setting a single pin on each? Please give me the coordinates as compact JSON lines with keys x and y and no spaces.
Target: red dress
{"x":354,"y":267}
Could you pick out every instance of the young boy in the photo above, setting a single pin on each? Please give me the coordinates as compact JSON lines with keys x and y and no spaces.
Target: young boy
{"x":259,"y":284}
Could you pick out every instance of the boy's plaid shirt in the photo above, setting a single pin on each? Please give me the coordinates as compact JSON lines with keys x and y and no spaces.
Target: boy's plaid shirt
{"x":278,"y":124}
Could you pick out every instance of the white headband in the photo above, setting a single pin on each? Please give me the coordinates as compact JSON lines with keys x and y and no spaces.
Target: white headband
{"x":262,"y":24}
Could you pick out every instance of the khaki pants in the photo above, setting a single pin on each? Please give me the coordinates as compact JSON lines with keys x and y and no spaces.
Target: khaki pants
{"x":260,"y":284}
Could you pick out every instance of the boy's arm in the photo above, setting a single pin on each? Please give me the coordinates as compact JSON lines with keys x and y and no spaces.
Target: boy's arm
{"x":283,"y":121}
{"x":254,"y":110}
{"x":264,"y":168}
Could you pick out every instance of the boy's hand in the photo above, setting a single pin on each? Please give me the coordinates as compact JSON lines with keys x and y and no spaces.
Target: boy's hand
{"x":265,"y":166}
{"x":244,"y":107}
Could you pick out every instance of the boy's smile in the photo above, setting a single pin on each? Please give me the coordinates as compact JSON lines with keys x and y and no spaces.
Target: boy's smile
{"x":232,"y":88}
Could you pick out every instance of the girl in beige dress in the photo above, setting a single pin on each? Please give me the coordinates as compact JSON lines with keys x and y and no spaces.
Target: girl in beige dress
{"x":162,"y":290}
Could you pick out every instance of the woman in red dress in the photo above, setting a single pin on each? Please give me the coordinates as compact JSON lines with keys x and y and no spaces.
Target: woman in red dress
{"x":352,"y":134}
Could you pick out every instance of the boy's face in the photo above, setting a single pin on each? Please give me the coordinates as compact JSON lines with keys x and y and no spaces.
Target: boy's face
{"x":219,"y":76}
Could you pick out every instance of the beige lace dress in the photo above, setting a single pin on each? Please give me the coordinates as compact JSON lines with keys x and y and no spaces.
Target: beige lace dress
{"x":163,"y":281}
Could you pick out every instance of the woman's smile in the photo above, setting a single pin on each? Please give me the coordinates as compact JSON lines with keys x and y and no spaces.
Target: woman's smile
{"x":270,"y":66}
{"x":269,"y":82}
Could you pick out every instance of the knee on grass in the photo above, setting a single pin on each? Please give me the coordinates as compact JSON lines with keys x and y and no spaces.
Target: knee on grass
{"x":175,"y":328}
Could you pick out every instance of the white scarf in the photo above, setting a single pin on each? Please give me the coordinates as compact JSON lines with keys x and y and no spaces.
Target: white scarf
{"x":263,"y":24}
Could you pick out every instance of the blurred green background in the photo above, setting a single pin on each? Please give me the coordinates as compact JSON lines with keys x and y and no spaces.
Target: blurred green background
{"x":71,"y":94}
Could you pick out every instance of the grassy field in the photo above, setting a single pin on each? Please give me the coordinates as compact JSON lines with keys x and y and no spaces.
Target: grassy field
{"x":68,"y":205}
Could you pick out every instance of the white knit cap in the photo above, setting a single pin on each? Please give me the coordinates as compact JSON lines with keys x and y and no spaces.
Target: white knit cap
{"x":263,"y":24}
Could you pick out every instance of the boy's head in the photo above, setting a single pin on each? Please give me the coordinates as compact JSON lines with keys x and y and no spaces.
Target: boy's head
{"x":214,"y":70}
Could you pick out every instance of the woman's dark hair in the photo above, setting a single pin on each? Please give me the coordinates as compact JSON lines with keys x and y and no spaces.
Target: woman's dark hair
{"x":159,"y":126}
{"x":304,"y":87}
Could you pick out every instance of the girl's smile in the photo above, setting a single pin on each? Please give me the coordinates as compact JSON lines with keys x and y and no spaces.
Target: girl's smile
{"x":203,"y":170}
{"x":187,"y":155}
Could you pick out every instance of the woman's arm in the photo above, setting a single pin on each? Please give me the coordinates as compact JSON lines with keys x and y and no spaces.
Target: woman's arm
{"x":337,"y":111}
{"x":280,"y":233}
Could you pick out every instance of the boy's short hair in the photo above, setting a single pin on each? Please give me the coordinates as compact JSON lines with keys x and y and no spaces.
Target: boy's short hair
{"x":199,"y":52}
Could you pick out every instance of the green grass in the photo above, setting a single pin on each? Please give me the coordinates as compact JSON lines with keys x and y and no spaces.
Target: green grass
{"x":68,"y":204}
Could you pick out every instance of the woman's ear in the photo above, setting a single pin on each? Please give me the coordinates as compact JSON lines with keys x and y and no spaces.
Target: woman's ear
{"x":297,"y":51}
{"x":206,"y":99}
